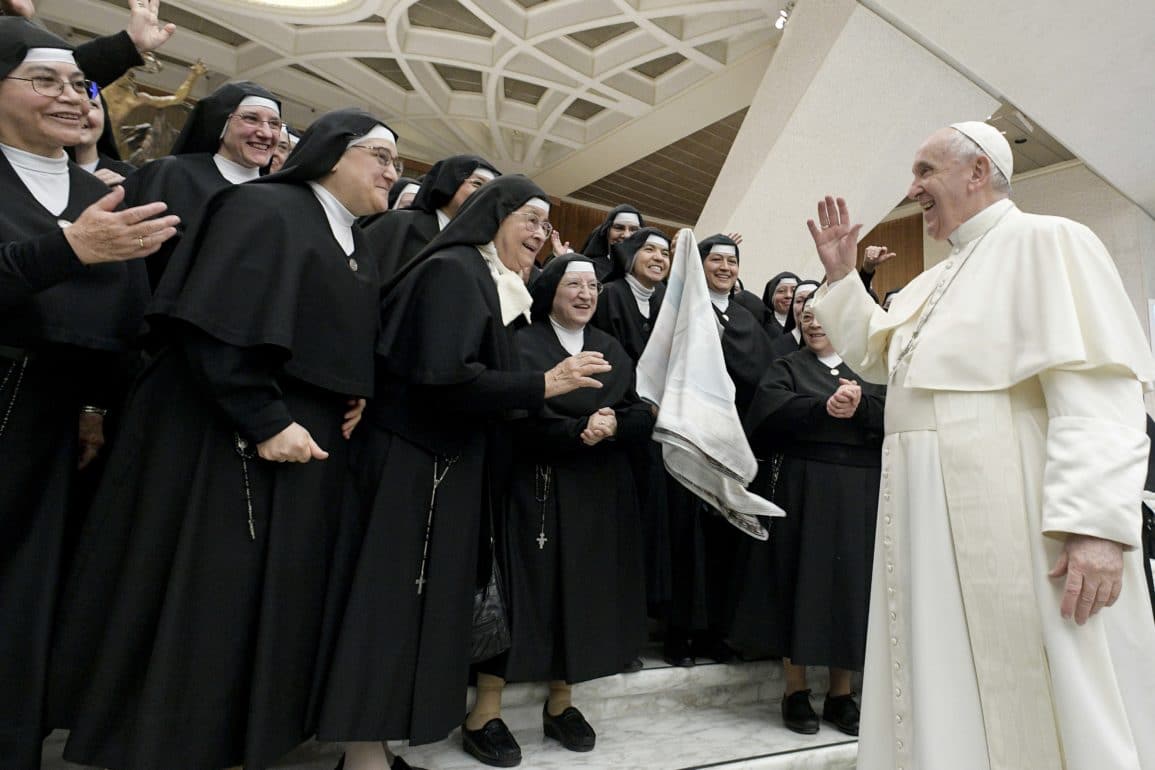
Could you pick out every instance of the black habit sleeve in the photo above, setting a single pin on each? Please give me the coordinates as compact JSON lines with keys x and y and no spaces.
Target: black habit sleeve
{"x":31,"y":266}
{"x":241,"y":381}
{"x":107,"y":58}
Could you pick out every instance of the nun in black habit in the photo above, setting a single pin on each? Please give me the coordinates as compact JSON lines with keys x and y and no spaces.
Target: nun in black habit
{"x":570,"y":547}
{"x":69,"y":312}
{"x":216,"y":148}
{"x":190,"y":632}
{"x":627,"y":310}
{"x":803,"y":595}
{"x":776,"y":298}
{"x":791,"y":338}
{"x":432,"y":470}
{"x":702,"y":543}
{"x":754,"y":304}
{"x":97,"y":152}
{"x":622,"y":222}
{"x":403,"y":193}
{"x":398,"y":237}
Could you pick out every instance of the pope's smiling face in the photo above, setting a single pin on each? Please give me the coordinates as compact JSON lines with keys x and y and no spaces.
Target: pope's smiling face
{"x":945,"y":184}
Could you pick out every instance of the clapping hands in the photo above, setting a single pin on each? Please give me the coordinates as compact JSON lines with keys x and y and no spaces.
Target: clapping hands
{"x":844,"y":403}
{"x":602,"y":424}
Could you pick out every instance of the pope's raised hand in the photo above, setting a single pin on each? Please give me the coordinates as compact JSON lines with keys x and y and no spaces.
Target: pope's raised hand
{"x":835,"y":238}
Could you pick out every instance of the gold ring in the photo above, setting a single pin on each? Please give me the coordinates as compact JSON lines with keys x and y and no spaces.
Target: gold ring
{"x":141,"y":239}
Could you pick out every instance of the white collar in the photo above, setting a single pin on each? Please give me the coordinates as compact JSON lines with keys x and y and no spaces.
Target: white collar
{"x":831,"y":360}
{"x":780,"y":317}
{"x":234,"y":172}
{"x":797,"y":334}
{"x":721,"y":299}
{"x":980,"y":223}
{"x":340,"y":220}
{"x":641,"y":294}
{"x":46,"y":178}
{"x":571,"y":339}
{"x":90,"y":167}
{"x":442,"y":219}
{"x":512,"y":295}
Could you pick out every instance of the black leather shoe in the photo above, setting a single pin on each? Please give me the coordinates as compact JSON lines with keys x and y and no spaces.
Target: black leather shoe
{"x":340,"y":763}
{"x":842,"y":712}
{"x":633,"y":667}
{"x":713,"y":648}
{"x":569,"y":728}
{"x":493,"y":744}
{"x":401,"y":764}
{"x":797,"y":714}
{"x":677,"y":652}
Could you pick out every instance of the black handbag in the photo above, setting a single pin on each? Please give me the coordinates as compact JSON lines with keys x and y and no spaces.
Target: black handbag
{"x":490,"y":634}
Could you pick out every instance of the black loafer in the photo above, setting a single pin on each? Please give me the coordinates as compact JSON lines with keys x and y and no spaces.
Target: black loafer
{"x":842,"y":712}
{"x":569,"y":728}
{"x":677,"y":652}
{"x":493,"y":744}
{"x":797,"y":713}
{"x":634,"y":666}
{"x":713,"y":648}
{"x":401,"y":764}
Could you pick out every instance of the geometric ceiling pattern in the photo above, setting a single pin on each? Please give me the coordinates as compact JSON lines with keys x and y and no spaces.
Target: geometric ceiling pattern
{"x":523,"y":82}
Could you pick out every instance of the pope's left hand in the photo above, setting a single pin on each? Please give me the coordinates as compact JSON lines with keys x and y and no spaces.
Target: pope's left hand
{"x":144,"y":26}
{"x":1094,"y":570}
{"x":353,"y":416}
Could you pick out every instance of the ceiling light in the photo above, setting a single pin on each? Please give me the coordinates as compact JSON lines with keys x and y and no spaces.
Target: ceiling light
{"x":784,"y":16}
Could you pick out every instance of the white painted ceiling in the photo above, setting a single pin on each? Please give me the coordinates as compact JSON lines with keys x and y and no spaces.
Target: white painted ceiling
{"x":526,"y":83}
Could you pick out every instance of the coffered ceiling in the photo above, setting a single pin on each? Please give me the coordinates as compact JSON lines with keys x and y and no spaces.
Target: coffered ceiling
{"x":524,"y":82}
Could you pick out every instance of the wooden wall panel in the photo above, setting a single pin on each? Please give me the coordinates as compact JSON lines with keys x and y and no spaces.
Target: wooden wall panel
{"x":904,"y":238}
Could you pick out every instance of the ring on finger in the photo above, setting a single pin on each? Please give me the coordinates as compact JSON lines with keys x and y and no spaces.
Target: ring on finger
{"x":140,"y":240}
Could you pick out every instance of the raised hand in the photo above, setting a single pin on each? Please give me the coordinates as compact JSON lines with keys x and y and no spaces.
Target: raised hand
{"x":875,"y":256}
{"x":575,"y":372}
{"x":559,"y":249}
{"x":144,"y":27}
{"x":103,"y":234}
{"x":835,"y":238}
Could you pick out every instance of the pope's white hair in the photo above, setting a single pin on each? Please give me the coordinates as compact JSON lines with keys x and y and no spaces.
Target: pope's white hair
{"x":967,"y":150}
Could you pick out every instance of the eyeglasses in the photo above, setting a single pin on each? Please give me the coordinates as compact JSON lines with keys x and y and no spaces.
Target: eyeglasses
{"x":54,"y":87}
{"x":536,"y":223}
{"x":384,"y":157}
{"x":255,"y":121}
{"x":593,"y":287}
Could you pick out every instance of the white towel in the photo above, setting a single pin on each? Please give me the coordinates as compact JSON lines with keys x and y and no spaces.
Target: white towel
{"x":682,"y":370}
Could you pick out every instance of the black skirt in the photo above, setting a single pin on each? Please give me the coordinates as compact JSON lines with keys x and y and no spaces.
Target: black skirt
{"x":184,"y":640}
{"x":38,"y":455}
{"x":401,"y":662}
{"x":576,"y":596}
{"x":805,"y":593}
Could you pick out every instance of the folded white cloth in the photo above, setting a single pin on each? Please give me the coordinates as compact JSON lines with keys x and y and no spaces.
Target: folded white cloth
{"x":682,"y":370}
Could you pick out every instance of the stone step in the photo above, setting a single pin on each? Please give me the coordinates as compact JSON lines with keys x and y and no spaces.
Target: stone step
{"x":660,"y":718}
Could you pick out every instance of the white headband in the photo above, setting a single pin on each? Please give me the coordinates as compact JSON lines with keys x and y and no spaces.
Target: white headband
{"x":539,"y":203}
{"x":657,"y":240}
{"x":991,"y":141}
{"x":376,"y":134}
{"x":788,"y":281}
{"x":409,"y":188}
{"x":724,"y":249}
{"x":578,"y":266}
{"x":487,"y":175}
{"x":627,"y":218}
{"x":259,"y":101}
{"x":43,"y":55}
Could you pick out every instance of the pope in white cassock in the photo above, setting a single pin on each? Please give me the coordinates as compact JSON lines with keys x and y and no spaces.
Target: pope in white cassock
{"x":1013,"y":465}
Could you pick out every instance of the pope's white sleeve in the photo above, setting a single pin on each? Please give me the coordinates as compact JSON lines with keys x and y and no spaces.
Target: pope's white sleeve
{"x":1096,"y":454}
{"x":845,"y":311}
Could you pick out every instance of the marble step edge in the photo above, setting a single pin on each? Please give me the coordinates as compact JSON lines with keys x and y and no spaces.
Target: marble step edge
{"x":664,"y":680}
{"x":836,"y":756}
